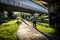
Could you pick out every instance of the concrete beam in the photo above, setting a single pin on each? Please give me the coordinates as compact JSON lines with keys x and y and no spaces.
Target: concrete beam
{"x":5,"y":7}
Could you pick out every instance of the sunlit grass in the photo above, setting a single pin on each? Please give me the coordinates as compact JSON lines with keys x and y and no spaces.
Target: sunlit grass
{"x":8,"y":30}
{"x":44,"y":27}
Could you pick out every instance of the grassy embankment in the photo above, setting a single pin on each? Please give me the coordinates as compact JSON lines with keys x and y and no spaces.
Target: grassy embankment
{"x":8,"y":30}
{"x":43,"y":25}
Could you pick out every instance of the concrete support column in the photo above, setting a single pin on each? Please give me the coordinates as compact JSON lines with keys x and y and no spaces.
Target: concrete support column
{"x":1,"y":16}
{"x":54,"y":13}
{"x":10,"y":14}
{"x":32,"y":14}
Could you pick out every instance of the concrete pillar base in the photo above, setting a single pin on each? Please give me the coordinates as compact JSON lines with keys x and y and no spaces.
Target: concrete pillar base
{"x":10,"y":15}
{"x":1,"y":16}
{"x":54,"y":14}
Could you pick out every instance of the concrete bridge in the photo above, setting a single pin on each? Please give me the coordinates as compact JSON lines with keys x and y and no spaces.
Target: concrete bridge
{"x":21,"y":5}
{"x":54,"y":13}
{"x":29,"y":6}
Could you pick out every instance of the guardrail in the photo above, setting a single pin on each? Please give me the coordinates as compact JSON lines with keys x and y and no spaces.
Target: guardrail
{"x":15,"y":3}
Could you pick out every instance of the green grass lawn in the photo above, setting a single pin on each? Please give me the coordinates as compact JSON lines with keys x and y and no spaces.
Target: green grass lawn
{"x":8,"y":30}
{"x":44,"y":27}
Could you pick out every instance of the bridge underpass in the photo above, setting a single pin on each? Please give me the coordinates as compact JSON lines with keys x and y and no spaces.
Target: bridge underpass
{"x":21,"y":6}
{"x":12,"y":5}
{"x":54,"y":13}
{"x":53,"y":9}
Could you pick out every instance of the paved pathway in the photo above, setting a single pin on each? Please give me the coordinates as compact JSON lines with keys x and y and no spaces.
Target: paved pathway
{"x":27,"y":32}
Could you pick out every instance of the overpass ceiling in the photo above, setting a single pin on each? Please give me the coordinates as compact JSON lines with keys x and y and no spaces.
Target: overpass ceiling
{"x":45,"y":2}
{"x":30,"y":3}
{"x":41,"y":2}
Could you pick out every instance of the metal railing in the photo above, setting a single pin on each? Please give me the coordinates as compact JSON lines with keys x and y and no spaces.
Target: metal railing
{"x":15,"y":3}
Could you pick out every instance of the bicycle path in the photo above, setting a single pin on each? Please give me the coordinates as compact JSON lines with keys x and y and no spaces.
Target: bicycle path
{"x":27,"y":32}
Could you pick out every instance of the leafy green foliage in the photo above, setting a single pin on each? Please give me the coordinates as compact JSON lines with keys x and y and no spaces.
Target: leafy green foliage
{"x":8,"y":30}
